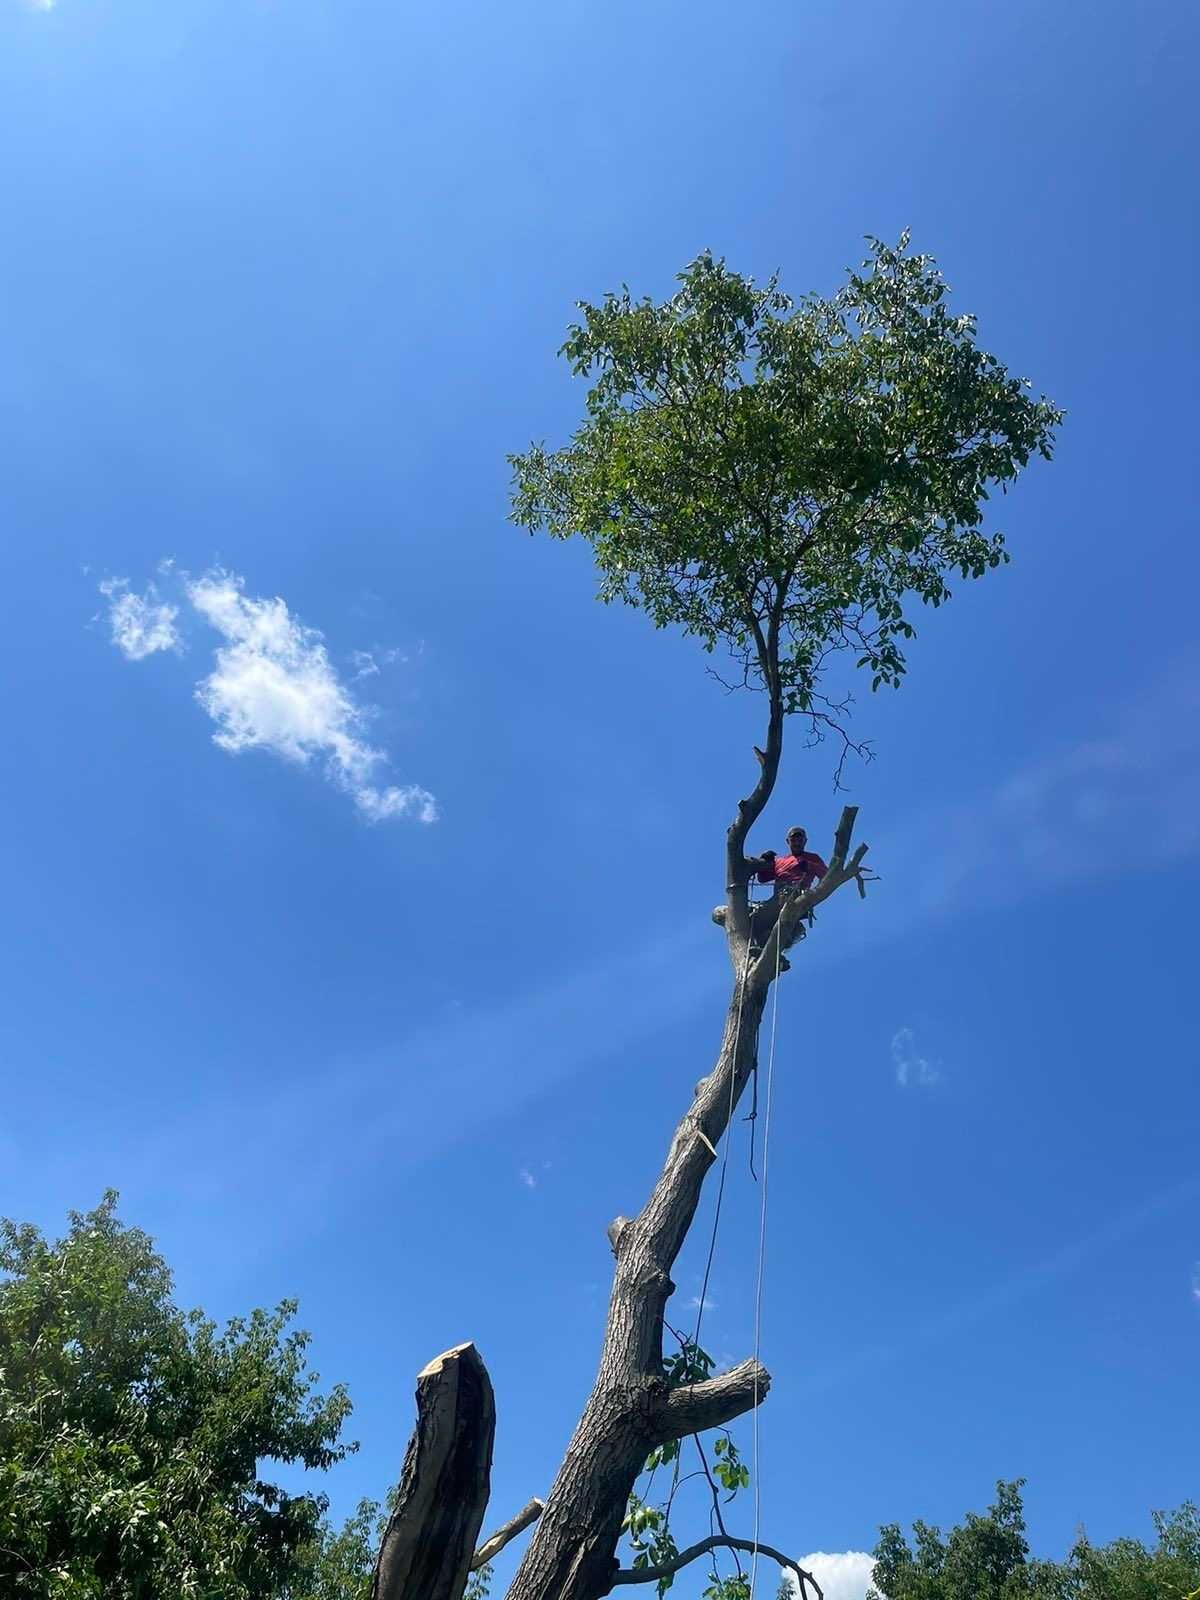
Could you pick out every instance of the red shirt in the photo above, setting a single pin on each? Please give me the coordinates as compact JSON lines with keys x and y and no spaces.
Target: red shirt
{"x":795,"y":872}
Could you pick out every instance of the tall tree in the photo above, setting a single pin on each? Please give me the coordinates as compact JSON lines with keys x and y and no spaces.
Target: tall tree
{"x":131,"y":1432}
{"x":781,"y":481}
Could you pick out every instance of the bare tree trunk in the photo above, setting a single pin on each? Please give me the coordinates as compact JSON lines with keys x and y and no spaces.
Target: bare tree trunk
{"x":429,"y":1543}
{"x":571,"y":1555}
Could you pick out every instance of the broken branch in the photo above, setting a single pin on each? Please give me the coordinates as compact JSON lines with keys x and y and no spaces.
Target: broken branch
{"x":495,"y":1542}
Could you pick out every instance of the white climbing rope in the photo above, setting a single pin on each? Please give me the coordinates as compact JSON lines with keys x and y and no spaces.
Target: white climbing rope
{"x":712,"y":1243}
{"x":762,"y":1222}
{"x":762,"y":1250}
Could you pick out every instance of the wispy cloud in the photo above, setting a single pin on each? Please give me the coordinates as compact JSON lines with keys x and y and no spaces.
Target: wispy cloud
{"x":527,"y":1178}
{"x":502,"y":1056}
{"x":272,"y":687}
{"x":141,"y":624}
{"x":1196,"y":1283}
{"x":845,"y":1575}
{"x":953,"y":1320}
{"x":370,"y":663}
{"x":911,"y":1066}
{"x":1104,"y":805}
{"x":1124,"y":798}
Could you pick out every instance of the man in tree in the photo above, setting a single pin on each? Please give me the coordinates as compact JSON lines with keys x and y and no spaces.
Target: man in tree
{"x":793,"y":873}
{"x":799,"y":869}
{"x":782,"y":481}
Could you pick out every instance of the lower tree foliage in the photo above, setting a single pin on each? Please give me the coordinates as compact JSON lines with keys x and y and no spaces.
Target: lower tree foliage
{"x":338,"y":1562}
{"x":132,"y":1432}
{"x":987,"y":1558}
{"x":132,"y":1435}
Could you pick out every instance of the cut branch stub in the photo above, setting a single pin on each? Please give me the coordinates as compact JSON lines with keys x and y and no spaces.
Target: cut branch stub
{"x":495,"y":1542}
{"x":695,"y":1407}
{"x":429,"y":1543}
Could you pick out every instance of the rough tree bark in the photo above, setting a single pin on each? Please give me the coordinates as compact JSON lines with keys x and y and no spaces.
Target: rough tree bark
{"x":571,"y":1555}
{"x":429,"y":1544}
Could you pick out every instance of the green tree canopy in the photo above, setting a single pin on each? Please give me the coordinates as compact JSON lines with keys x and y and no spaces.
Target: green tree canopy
{"x":987,"y":1558}
{"x":781,"y":478}
{"x":132,"y":1433}
{"x":1127,"y":1569}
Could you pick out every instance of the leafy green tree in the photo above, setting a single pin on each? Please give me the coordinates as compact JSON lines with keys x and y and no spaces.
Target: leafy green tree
{"x":784,"y":481}
{"x":131,"y":1432}
{"x":779,"y":479}
{"x":337,"y":1564}
{"x":987,"y":1558}
{"x":1127,"y":1569}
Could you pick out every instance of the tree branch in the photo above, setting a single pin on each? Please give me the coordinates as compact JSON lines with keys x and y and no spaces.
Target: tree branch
{"x":695,"y":1407}
{"x":495,"y":1542}
{"x":717,"y":1541}
{"x":737,"y":926}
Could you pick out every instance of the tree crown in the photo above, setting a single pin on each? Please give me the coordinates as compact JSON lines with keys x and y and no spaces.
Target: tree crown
{"x":780,"y":478}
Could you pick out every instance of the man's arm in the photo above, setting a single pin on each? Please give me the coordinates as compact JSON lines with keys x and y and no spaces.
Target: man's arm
{"x":765,"y":867}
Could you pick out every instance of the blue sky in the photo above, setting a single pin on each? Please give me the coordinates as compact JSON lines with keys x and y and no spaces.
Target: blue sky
{"x":282,"y":283}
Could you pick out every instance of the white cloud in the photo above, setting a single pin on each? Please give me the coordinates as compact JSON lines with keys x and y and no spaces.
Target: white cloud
{"x":407,"y":801}
{"x":1196,"y":1283}
{"x":141,"y":624}
{"x":911,"y":1066}
{"x":842,"y":1576}
{"x":527,"y":1178}
{"x":274,"y":688}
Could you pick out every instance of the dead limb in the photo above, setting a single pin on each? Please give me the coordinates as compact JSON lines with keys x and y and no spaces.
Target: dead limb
{"x":495,"y":1542}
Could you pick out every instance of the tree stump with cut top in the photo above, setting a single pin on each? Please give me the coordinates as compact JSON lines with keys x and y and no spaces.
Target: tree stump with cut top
{"x":430,"y":1538}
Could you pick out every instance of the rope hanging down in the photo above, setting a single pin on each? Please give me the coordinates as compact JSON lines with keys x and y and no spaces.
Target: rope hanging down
{"x":762,"y":1255}
{"x":762,"y":1223}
